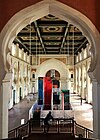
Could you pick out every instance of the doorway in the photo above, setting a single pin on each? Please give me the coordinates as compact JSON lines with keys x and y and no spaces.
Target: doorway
{"x":14,"y":96}
{"x":20,"y":93}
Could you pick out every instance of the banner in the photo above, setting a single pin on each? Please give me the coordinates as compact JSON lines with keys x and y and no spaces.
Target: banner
{"x":40,"y":90}
{"x":47,"y":93}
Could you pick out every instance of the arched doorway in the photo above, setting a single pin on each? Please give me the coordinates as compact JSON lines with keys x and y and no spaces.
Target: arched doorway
{"x":50,"y":64}
{"x":53,"y":74}
{"x":22,"y":18}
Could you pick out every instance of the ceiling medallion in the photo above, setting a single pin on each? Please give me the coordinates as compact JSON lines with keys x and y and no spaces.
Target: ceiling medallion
{"x":52,"y":38}
{"x":50,"y":17}
{"x":52,"y":28}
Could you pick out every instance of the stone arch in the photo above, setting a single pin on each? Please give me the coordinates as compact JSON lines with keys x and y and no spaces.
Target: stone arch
{"x":57,"y":74}
{"x":50,"y":64}
{"x":36,"y":11}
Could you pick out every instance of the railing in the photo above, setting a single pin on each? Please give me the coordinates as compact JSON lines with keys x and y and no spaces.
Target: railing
{"x":58,"y":125}
{"x":32,"y":126}
{"x":80,"y":130}
{"x":18,"y":138}
{"x":20,"y":131}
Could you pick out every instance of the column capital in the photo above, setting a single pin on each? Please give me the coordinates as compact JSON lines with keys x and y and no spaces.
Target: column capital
{"x":8,"y":76}
{"x":91,"y":75}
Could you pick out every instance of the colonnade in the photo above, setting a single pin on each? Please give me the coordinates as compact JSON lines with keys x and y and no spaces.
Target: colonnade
{"x":21,"y":75}
{"x":82,"y":81}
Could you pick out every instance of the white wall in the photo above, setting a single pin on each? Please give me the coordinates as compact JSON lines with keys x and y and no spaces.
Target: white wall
{"x":53,"y":64}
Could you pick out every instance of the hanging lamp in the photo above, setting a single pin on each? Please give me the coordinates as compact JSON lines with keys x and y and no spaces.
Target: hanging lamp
{"x":36,"y":46}
{"x":30,"y":47}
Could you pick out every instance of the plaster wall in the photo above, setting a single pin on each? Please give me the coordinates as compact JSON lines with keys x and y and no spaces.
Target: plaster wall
{"x":57,"y":65}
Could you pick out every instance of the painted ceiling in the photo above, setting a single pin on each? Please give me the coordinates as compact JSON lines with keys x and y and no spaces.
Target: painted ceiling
{"x":51,"y":35}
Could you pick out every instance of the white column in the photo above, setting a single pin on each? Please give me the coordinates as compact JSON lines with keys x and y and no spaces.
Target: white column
{"x":82,"y":82}
{"x":89,"y":85}
{"x":17,"y":50}
{"x":5,"y":92}
{"x":76,"y":80}
{"x":86,"y":82}
{"x":96,"y":109}
{"x":96,"y":106}
{"x":64,"y":84}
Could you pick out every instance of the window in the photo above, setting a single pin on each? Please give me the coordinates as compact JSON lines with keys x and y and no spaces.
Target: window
{"x":33,"y":75}
{"x":71,"y":75}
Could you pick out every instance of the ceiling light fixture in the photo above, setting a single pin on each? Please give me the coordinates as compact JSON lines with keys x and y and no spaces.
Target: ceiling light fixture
{"x":30,"y":50}
{"x":30,"y":39}
{"x":36,"y":46}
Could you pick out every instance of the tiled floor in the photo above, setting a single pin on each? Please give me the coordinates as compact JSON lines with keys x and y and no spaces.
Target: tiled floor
{"x":83,"y":113}
{"x":19,"y":112}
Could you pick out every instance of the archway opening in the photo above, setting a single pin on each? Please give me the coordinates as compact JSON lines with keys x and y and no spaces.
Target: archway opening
{"x":54,"y":74}
{"x":18,"y":24}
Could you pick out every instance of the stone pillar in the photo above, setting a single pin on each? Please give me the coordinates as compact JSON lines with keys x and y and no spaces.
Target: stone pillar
{"x":96,"y":106}
{"x":22,"y":54}
{"x":5,"y":91}
{"x":96,"y":109}
{"x":17,"y":50}
{"x":76,"y":79}
{"x":64,"y":83}
{"x":82,"y":82}
{"x":86,"y":83}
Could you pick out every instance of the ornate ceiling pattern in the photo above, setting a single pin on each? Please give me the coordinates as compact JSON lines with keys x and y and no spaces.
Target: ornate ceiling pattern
{"x":50,"y":35}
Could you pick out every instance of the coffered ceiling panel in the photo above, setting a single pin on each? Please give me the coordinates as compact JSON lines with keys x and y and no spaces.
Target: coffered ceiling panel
{"x":51,"y":35}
